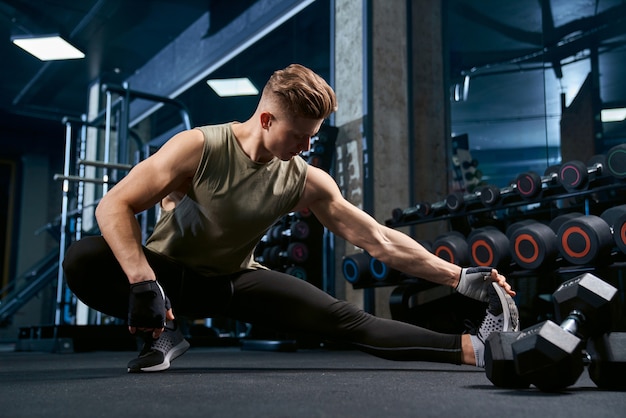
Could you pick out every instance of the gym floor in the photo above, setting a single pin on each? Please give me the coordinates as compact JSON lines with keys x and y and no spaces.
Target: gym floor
{"x":230,"y":382}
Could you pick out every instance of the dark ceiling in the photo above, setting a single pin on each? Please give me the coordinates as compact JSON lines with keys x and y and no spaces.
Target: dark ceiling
{"x":118,"y":38}
{"x":488,"y":39}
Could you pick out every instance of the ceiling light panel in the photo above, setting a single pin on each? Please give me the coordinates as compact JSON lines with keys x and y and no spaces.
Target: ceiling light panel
{"x":613,"y":115}
{"x":229,"y":87}
{"x":48,"y":48}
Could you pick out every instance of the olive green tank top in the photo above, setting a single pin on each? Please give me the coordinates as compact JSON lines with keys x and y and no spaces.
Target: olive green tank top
{"x":231,"y":203}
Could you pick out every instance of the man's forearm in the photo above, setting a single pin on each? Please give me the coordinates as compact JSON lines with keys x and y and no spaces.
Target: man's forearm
{"x":403,"y":253}
{"x":121,"y":231}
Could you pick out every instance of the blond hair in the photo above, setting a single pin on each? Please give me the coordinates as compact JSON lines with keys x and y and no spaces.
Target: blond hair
{"x":301,"y":92}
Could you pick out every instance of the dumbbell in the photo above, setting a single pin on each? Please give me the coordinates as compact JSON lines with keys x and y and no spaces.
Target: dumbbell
{"x":456,"y":201}
{"x":532,"y":244}
{"x":549,"y":355}
{"x":616,"y":161}
{"x":576,"y":175}
{"x":500,"y":363}
{"x":297,"y":271}
{"x":356,"y":268}
{"x":491,"y":194}
{"x":296,"y":230}
{"x":585,"y":239}
{"x":615,"y":217}
{"x":489,"y":247}
{"x":607,"y":361}
{"x":452,"y":247}
{"x":381,"y":272}
{"x":420,"y":210}
{"x":297,"y":252}
{"x":530,"y":184}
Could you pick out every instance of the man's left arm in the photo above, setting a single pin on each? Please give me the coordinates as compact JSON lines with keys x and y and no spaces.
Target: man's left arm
{"x":390,"y":246}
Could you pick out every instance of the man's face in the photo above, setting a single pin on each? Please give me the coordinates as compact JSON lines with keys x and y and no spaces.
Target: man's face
{"x":291,"y":136}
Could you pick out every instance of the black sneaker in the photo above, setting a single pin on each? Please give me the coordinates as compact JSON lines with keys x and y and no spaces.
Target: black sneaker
{"x":502,"y":314}
{"x":157,"y":355}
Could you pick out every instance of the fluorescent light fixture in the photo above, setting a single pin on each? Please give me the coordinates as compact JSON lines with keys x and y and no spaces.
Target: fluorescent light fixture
{"x":613,"y":115}
{"x":229,"y":87}
{"x":48,"y":47}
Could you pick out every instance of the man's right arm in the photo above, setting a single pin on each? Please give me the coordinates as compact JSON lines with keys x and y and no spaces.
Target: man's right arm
{"x":169,"y":170}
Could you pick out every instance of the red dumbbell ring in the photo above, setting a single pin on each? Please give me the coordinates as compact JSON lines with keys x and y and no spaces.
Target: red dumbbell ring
{"x":573,"y":175}
{"x":521,"y":250}
{"x":445,"y":253}
{"x":298,"y":252}
{"x":528,"y":184}
{"x":575,"y":253}
{"x":480,"y":249}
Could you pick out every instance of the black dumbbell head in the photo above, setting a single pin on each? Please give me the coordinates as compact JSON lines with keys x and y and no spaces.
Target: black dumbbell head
{"x":590,"y":295}
{"x":615,"y":217}
{"x":489,"y":195}
{"x":499,"y":362}
{"x":608,"y":361}
{"x":548,"y":356}
{"x":532,"y":245}
{"x":585,"y":240}
{"x":616,"y":161}
{"x":528,"y":184}
{"x":573,"y":175}
{"x":452,"y":247}
{"x":455,"y":201}
{"x":355,"y":268}
{"x":489,"y":247}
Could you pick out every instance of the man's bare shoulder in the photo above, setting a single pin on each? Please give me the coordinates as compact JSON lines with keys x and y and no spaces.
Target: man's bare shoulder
{"x":319,"y":186}
{"x":180,"y":155}
{"x":188,"y":139}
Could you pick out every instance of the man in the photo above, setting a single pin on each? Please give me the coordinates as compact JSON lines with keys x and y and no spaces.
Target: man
{"x":220,"y":188}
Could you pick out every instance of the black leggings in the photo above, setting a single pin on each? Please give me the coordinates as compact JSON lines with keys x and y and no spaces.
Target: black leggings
{"x":262,"y":297}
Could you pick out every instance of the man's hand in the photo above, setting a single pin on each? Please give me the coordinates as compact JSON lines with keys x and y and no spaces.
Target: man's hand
{"x":148,"y":308}
{"x":475,"y":281}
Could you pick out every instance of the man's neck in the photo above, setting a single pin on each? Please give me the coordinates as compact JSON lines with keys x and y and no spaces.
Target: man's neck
{"x":251,"y":142}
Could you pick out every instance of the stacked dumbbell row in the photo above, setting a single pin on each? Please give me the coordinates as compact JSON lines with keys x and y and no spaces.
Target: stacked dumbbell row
{"x":573,"y":238}
{"x":283,"y":247}
{"x":569,"y":239}
{"x":552,"y":356}
{"x":527,"y":187}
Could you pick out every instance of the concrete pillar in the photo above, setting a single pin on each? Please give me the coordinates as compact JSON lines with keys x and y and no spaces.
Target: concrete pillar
{"x":349,"y":86}
{"x":430,"y":110}
{"x":389,"y":80}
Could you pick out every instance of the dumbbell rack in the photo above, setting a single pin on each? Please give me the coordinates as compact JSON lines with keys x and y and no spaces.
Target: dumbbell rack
{"x":534,"y":286}
{"x":514,"y":203}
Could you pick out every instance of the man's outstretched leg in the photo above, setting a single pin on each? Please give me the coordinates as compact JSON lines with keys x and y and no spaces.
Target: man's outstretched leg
{"x":273,"y":298}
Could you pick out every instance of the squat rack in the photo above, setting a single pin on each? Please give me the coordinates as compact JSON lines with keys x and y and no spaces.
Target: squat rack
{"x":116,"y":113}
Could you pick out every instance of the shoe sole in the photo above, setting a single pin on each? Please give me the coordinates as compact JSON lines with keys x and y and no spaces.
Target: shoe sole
{"x":509,"y":309}
{"x":176,"y":351}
